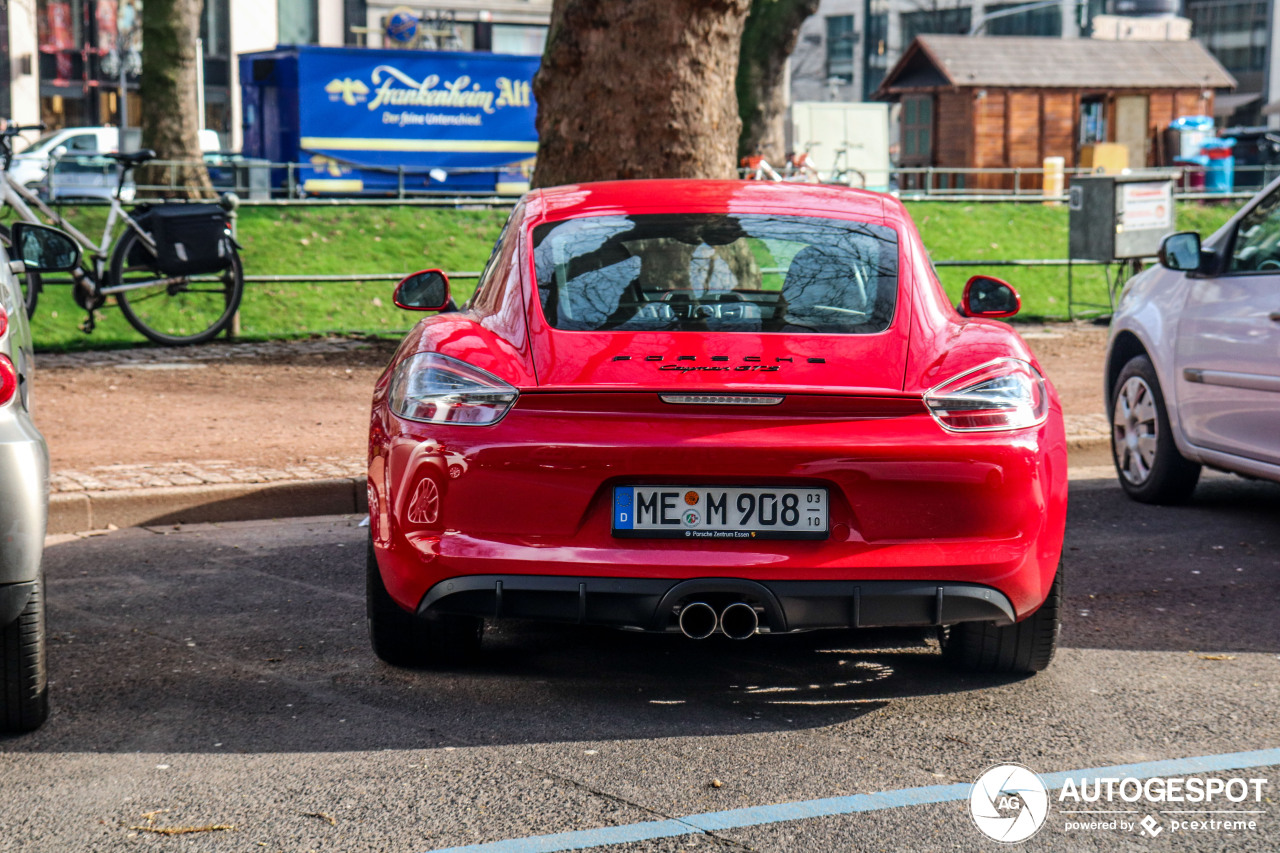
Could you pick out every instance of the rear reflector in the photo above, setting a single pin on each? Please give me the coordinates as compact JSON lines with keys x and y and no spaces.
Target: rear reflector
{"x":720,"y":400}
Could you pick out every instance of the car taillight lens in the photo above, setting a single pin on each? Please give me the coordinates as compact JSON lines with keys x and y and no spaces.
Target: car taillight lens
{"x":1007,"y":393}
{"x":4,"y":321}
{"x":8,"y":380}
{"x":441,"y":390}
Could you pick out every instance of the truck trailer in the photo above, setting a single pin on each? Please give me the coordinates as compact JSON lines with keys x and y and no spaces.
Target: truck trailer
{"x":364,"y":121}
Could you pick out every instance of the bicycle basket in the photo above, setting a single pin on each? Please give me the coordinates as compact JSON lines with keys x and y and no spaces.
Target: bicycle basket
{"x":190,"y":239}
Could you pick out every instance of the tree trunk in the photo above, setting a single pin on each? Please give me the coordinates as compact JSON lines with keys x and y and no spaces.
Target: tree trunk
{"x":167,"y":87}
{"x":639,"y":89}
{"x":768,"y":39}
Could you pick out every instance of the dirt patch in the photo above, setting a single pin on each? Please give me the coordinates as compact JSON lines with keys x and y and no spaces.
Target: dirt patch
{"x":1073,"y":356}
{"x":276,"y":405}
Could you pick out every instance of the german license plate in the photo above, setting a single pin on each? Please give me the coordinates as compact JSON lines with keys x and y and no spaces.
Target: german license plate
{"x":714,"y":512}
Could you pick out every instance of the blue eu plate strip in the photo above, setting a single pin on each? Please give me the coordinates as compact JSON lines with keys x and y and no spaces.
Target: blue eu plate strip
{"x":624,"y":501}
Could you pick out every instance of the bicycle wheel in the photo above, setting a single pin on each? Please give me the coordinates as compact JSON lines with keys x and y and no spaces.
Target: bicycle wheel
{"x":187,"y":310}
{"x":30,"y":282}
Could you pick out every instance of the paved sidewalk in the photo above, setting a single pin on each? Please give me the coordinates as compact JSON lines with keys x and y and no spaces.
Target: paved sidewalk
{"x":113,"y":496}
{"x":214,"y":351}
{"x":92,"y":497}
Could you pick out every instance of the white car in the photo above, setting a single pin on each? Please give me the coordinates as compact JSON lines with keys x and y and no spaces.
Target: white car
{"x":31,"y":164}
{"x":1193,"y":359}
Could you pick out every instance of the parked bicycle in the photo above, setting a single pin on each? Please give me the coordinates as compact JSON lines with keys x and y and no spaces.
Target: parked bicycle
{"x":174,"y":270}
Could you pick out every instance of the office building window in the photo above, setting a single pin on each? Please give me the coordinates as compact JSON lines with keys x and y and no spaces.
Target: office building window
{"x":298,"y":22}
{"x":877,"y":53}
{"x":840,"y":38}
{"x":1035,"y":22}
{"x":518,"y":39}
{"x":942,"y":21}
{"x":1234,"y":31}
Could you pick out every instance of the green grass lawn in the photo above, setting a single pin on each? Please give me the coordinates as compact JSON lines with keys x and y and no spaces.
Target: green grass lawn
{"x":977,"y":232}
{"x":383,"y":239}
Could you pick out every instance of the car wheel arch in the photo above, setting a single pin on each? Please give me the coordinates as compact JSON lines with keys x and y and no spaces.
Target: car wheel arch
{"x":1123,"y":349}
{"x":1127,"y":345}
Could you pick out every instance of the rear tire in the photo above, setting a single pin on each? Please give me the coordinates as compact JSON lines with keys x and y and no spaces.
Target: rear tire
{"x":189,"y":313}
{"x":404,"y":639}
{"x":30,"y":281}
{"x":1148,"y":464}
{"x":24,"y":679}
{"x":1022,"y":648}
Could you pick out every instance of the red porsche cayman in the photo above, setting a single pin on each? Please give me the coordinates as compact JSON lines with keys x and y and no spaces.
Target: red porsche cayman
{"x":715,"y":407}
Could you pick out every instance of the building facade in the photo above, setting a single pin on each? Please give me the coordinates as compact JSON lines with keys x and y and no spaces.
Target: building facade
{"x":74,"y":63}
{"x":846,"y":48}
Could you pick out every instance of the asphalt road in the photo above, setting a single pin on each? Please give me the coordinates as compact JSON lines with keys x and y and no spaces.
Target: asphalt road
{"x":220,"y":676}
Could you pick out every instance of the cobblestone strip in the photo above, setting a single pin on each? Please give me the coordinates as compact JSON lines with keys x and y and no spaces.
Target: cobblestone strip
{"x":1080,"y":428}
{"x":208,"y":471}
{"x":214,"y":351}
{"x":1087,"y":427}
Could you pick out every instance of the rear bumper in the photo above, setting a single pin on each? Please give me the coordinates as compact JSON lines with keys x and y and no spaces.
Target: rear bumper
{"x":531,"y":498}
{"x":652,"y":604}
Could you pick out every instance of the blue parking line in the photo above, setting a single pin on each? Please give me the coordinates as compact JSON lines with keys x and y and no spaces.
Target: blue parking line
{"x":760,"y":815}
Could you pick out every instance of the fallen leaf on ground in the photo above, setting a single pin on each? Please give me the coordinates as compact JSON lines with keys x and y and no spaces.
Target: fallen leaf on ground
{"x":184,"y":830}
{"x":332,"y":821}
{"x":150,"y":818}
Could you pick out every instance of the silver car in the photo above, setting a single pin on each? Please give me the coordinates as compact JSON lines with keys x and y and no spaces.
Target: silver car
{"x":24,"y":485}
{"x":1193,"y":360}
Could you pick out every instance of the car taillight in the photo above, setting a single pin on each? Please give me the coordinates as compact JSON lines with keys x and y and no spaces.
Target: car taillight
{"x":1007,"y":393}
{"x":8,"y":380}
{"x":441,"y":390}
{"x":4,"y":321}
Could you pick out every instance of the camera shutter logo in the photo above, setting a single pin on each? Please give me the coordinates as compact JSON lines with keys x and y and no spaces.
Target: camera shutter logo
{"x":1009,"y":803}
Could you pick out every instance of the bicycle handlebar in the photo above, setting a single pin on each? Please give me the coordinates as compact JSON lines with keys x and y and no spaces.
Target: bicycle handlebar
{"x":15,"y":129}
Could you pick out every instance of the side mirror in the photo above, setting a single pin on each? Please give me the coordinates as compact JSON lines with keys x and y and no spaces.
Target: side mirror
{"x":985,"y":296}
{"x":43,"y":249}
{"x":58,"y":152}
{"x":1181,"y":251}
{"x":427,"y":290}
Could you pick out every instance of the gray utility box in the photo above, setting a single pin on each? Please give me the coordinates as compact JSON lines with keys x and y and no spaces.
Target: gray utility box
{"x":1119,"y":217}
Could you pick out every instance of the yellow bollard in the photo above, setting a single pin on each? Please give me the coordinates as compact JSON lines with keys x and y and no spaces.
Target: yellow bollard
{"x":1054,"y":172}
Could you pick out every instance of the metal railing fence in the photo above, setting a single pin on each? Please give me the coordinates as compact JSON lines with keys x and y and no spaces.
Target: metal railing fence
{"x":93,"y":179}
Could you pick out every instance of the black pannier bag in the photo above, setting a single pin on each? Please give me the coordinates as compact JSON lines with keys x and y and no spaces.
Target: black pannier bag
{"x":190,"y":239}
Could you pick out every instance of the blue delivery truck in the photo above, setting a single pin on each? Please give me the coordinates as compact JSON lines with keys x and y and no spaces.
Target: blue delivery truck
{"x":367,"y":121}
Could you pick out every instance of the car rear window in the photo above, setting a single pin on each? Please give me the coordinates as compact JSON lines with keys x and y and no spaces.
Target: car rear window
{"x":718,"y":273}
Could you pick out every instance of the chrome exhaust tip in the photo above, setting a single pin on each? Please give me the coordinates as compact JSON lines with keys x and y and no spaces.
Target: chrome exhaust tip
{"x":739,"y":621}
{"x":697,"y":620}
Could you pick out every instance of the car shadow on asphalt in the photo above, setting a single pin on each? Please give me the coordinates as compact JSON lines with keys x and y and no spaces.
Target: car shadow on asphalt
{"x":250,"y":638}
{"x":532,"y":685}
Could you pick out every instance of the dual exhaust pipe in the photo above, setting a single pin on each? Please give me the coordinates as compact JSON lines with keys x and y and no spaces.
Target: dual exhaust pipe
{"x":699,"y":620}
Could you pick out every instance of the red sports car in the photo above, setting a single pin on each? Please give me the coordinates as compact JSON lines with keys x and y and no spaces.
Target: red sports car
{"x":715,"y":407}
